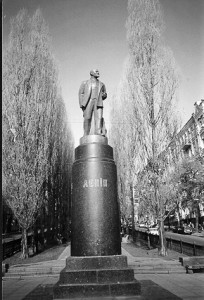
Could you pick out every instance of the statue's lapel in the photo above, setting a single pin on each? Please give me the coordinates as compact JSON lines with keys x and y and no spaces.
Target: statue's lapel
{"x":99,"y":87}
{"x":89,"y":88}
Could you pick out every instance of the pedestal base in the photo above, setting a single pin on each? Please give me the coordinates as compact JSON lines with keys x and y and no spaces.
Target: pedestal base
{"x":96,"y":276}
{"x":95,"y":208}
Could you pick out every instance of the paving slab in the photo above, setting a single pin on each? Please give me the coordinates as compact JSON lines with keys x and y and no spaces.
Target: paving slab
{"x":179,"y":284}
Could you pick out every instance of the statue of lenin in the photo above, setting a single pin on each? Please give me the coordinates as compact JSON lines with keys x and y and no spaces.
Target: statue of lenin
{"x":92,"y":92}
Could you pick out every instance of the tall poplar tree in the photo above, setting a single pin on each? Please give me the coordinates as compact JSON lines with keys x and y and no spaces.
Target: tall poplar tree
{"x":30,"y":104}
{"x":150,"y":81}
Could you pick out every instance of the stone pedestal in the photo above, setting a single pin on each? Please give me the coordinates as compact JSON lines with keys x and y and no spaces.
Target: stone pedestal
{"x":95,"y":267}
{"x":95,"y":209}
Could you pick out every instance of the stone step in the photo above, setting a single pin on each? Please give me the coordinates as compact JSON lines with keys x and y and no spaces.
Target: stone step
{"x":96,"y":262}
{"x":159,"y":271}
{"x":48,"y":267}
{"x":67,"y":291}
{"x":25,"y":272}
{"x":57,"y":270}
{"x":96,"y":276}
{"x":155,"y":262}
{"x":16,"y":276}
{"x":31,"y":273}
{"x":17,"y":270}
{"x":156,"y":266}
{"x":43,"y":263}
{"x":164,"y":269}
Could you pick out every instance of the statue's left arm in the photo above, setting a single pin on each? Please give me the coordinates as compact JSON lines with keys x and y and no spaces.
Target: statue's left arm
{"x":81,"y":94}
{"x":103,"y":91}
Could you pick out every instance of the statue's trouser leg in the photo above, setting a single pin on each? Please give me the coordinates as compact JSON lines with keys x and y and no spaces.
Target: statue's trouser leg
{"x":98,"y":114}
{"x":87,"y":117}
{"x":87,"y":126}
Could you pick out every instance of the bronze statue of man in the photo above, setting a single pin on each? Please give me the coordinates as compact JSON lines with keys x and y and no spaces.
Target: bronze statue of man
{"x":92,"y":92}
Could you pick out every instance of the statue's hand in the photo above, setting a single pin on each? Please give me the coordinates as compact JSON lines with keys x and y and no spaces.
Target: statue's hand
{"x":104,"y":96}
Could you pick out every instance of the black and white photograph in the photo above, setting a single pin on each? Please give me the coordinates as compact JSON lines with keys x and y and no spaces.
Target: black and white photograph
{"x":102,"y":149}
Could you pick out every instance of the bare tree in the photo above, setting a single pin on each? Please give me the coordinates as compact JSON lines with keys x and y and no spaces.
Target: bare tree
{"x":150,"y":81}
{"x":59,"y":180}
{"x":30,"y":93}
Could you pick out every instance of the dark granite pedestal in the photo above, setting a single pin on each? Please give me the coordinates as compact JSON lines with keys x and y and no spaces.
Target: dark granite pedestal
{"x":96,"y":266}
{"x":95,"y":209}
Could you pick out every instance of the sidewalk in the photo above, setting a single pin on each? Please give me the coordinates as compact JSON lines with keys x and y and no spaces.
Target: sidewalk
{"x":154,"y":286}
{"x":184,"y":286}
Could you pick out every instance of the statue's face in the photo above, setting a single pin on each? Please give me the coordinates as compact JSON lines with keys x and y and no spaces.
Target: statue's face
{"x":95,"y":73}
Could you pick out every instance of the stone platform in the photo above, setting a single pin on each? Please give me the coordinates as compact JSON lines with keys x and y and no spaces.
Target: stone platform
{"x":96,"y":276}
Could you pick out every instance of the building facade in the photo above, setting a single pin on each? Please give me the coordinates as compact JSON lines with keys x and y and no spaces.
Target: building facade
{"x":190,"y":139}
{"x":188,"y":142}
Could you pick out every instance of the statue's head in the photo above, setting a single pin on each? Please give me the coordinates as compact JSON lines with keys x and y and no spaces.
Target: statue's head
{"x":95,"y":73}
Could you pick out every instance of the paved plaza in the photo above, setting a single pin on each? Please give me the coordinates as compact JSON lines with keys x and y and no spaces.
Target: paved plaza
{"x":154,"y":286}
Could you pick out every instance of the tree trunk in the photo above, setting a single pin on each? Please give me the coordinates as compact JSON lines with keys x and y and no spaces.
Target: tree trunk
{"x":169,"y":224}
{"x":162,"y":239}
{"x":36,"y":237}
{"x":42,"y":240}
{"x":178,"y":217}
{"x":127,"y":228}
{"x":197,"y":218}
{"x":33,"y":241}
{"x":133,"y":212}
{"x":50,"y":214}
{"x":24,"y":244}
{"x":8,"y":224}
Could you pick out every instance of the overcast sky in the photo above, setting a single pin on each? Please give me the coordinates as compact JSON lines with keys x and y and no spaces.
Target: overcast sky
{"x":90,"y":34}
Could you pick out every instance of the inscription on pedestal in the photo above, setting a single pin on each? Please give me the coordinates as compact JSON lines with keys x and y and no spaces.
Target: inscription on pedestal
{"x":99,"y":182}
